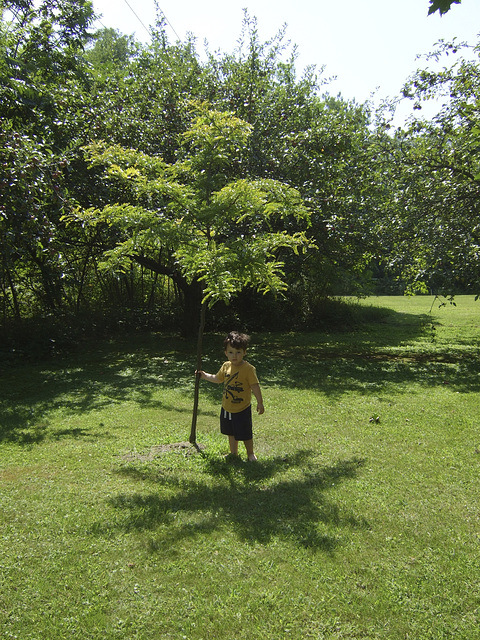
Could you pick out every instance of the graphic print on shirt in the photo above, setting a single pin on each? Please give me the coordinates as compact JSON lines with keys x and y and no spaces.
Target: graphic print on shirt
{"x":232,"y":388}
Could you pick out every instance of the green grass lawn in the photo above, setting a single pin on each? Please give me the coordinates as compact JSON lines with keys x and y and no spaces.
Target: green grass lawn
{"x":360,"y":520}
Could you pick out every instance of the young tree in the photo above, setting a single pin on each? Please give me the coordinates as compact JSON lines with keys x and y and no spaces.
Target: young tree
{"x":217,"y":232}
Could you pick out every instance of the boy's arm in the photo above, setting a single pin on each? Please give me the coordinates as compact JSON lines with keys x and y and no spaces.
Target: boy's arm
{"x":257,"y":392}
{"x":211,"y":377}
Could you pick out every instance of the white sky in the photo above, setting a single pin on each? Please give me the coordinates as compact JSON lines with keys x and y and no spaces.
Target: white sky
{"x":370,"y":46}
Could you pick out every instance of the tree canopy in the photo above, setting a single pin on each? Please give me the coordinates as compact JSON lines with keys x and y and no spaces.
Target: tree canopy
{"x":140,"y":179}
{"x":195,"y":220}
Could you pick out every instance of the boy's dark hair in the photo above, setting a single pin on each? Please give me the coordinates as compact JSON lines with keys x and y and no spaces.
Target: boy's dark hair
{"x":236,"y":340}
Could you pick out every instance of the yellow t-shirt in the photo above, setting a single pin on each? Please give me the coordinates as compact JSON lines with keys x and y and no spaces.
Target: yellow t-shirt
{"x":237,"y":385}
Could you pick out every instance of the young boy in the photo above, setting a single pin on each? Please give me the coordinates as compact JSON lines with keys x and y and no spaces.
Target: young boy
{"x":240,"y":380}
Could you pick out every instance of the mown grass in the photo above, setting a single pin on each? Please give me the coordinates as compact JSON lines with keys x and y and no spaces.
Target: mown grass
{"x":360,"y":520}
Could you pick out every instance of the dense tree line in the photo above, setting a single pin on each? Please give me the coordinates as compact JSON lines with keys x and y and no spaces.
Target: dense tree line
{"x":117,"y":160}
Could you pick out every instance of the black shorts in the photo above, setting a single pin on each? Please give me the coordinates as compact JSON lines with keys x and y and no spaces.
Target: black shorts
{"x":237,"y":424}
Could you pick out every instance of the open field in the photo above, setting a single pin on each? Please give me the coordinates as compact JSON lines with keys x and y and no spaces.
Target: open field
{"x":361,"y":519}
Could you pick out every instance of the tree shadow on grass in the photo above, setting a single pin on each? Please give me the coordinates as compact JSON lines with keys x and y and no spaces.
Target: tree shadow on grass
{"x":336,"y":376}
{"x":105,"y":376}
{"x":136,"y":370}
{"x":278,"y":498}
{"x":367,"y":359}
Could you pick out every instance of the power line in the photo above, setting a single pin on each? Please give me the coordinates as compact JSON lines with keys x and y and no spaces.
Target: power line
{"x":143,"y":24}
{"x":164,"y":15}
{"x":131,"y":9}
{"x":167,"y":21}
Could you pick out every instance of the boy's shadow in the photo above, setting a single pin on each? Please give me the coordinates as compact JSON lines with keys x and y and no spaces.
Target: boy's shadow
{"x":246,"y":498}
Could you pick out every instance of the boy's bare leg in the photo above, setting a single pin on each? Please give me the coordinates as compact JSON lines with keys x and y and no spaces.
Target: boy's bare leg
{"x":249,"y":447}
{"x":233,"y":445}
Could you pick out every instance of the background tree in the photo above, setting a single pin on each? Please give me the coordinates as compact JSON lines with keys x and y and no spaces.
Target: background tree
{"x":109,"y":49}
{"x":431,"y":226}
{"x":41,"y":45}
{"x":318,"y":144}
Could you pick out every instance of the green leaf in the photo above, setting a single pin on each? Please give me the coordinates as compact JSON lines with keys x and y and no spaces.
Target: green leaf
{"x":442,"y":6}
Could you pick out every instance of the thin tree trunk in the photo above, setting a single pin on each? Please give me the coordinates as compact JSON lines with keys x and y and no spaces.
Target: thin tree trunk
{"x":16,"y":305}
{"x":193,"y":431}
